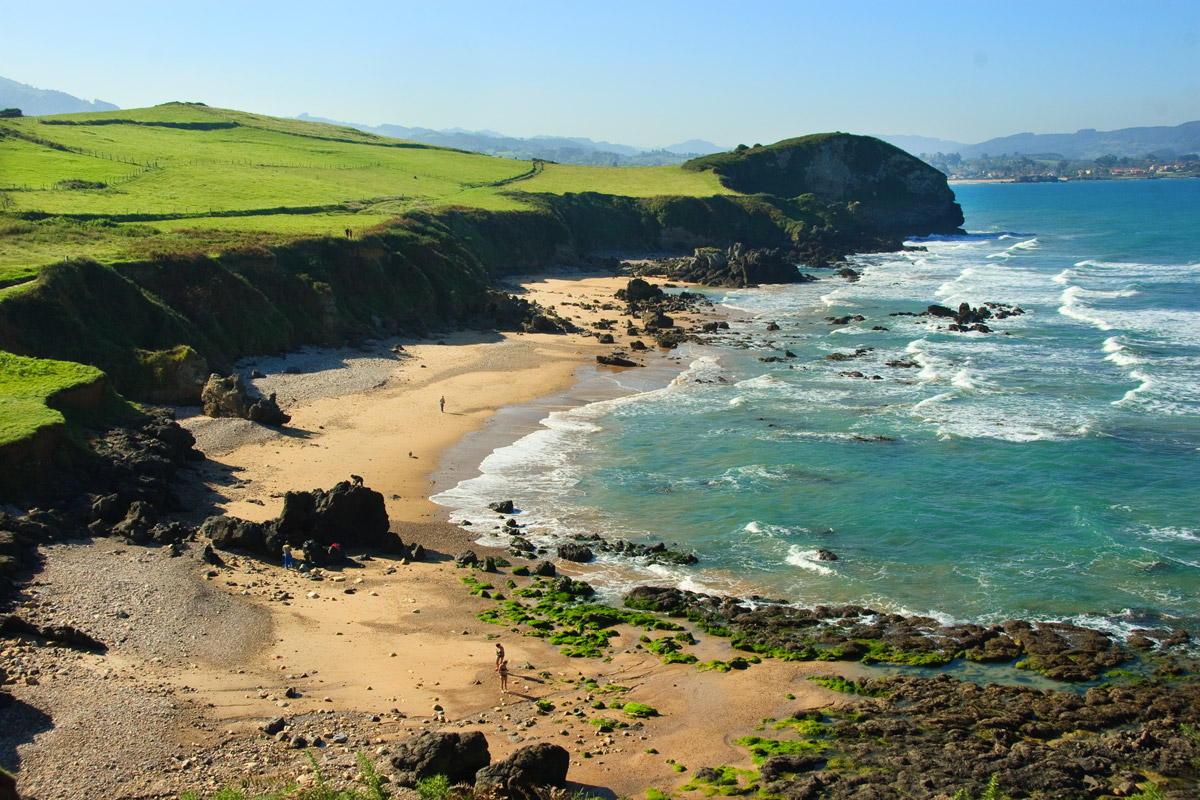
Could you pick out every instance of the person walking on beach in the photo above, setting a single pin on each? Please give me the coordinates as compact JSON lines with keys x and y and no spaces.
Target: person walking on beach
{"x":503,"y":670}
{"x":442,"y":404}
{"x":288,"y":561}
{"x":499,"y":655}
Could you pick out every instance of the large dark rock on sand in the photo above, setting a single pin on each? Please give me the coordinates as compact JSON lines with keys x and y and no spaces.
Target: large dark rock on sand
{"x":522,"y":774}
{"x":229,"y":397}
{"x":349,"y":513}
{"x":458,"y":756}
{"x":233,"y":533}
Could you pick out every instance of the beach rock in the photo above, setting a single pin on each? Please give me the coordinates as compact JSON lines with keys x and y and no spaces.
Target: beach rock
{"x":232,"y":533}
{"x":572,"y":551}
{"x":458,"y":756}
{"x":639,"y":292}
{"x":654,"y":320}
{"x":138,"y":523}
{"x":229,"y":397}
{"x":502,"y":507}
{"x":273,"y":726}
{"x":522,"y":774}
{"x":544,"y":569}
{"x":349,"y":514}
{"x":466,"y":558}
{"x":826,"y":555}
{"x":616,"y":361}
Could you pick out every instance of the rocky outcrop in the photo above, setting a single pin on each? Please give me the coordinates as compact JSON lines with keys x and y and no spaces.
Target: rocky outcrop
{"x":886,"y":189}
{"x":229,"y":397}
{"x":458,"y":756}
{"x":738,"y":266}
{"x":349,"y":514}
{"x":573,"y":551}
{"x":1059,"y":650}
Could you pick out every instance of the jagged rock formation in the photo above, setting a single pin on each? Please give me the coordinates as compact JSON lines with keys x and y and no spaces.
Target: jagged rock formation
{"x":738,"y":266}
{"x":349,"y":514}
{"x":229,"y":397}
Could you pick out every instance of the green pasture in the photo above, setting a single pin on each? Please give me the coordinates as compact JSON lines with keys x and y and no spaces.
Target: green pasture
{"x":625,"y":181}
{"x":25,"y":383}
{"x":185,"y":178}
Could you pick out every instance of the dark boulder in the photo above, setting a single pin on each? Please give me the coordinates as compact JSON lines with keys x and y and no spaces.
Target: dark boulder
{"x":229,"y":397}
{"x":616,"y":361}
{"x":232,"y":533}
{"x":458,"y":756}
{"x":638,"y":291}
{"x":572,"y":551}
{"x":544,"y":569}
{"x":522,"y":774}
{"x":826,"y":555}
{"x":502,"y":506}
{"x":466,"y":558}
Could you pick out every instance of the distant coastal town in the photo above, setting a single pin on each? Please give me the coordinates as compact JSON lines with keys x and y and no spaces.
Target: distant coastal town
{"x":1052,"y":168}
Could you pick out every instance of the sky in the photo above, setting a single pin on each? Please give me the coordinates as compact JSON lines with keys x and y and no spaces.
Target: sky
{"x":646,"y":73}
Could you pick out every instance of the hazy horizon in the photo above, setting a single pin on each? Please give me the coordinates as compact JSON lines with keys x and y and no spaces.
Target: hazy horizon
{"x":647,"y":76}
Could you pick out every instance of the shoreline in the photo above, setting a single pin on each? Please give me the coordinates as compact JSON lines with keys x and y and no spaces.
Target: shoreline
{"x":372,"y":653}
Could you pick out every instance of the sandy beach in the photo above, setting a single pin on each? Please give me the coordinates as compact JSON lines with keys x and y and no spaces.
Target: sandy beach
{"x":374,"y":652}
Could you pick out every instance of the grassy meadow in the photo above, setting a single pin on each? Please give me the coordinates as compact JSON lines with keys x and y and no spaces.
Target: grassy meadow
{"x":125,"y":185}
{"x":184,"y":179}
{"x":25,"y":383}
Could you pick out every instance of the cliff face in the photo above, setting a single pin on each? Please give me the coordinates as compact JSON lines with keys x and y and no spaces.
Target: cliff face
{"x":889,"y":191}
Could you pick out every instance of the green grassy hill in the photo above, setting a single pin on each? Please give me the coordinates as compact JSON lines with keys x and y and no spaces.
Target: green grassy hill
{"x":158,"y":244}
{"x":181,"y":177}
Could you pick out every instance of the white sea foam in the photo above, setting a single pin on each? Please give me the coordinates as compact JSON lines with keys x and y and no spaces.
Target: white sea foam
{"x":1074,"y":308}
{"x":797,"y":556}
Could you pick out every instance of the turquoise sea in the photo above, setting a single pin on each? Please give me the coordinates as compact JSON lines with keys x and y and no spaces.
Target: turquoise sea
{"x":1047,"y":470}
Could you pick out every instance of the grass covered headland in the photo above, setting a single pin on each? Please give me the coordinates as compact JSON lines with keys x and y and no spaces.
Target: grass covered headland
{"x":160,"y":244}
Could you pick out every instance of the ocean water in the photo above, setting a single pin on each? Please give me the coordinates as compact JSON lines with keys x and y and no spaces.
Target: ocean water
{"x":1047,"y":470}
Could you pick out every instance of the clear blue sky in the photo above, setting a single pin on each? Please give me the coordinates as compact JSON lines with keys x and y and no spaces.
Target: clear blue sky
{"x":644,"y":73}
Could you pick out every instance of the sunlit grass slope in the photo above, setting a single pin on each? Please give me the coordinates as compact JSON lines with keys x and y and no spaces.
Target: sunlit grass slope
{"x":126,"y":185}
{"x":25,"y":385}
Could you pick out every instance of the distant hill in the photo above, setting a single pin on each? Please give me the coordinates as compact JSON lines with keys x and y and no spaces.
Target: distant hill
{"x":695,"y":147}
{"x":1090,"y":143}
{"x":561,"y":149}
{"x":1084,"y":144}
{"x":35,"y":102}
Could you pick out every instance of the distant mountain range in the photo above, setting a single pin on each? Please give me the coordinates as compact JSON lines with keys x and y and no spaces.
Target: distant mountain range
{"x":1085,"y":144}
{"x":35,"y":102}
{"x":565,"y":150}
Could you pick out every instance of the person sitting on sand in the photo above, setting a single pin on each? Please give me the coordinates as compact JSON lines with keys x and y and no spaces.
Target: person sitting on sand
{"x":503,"y":670}
{"x":499,"y":654}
